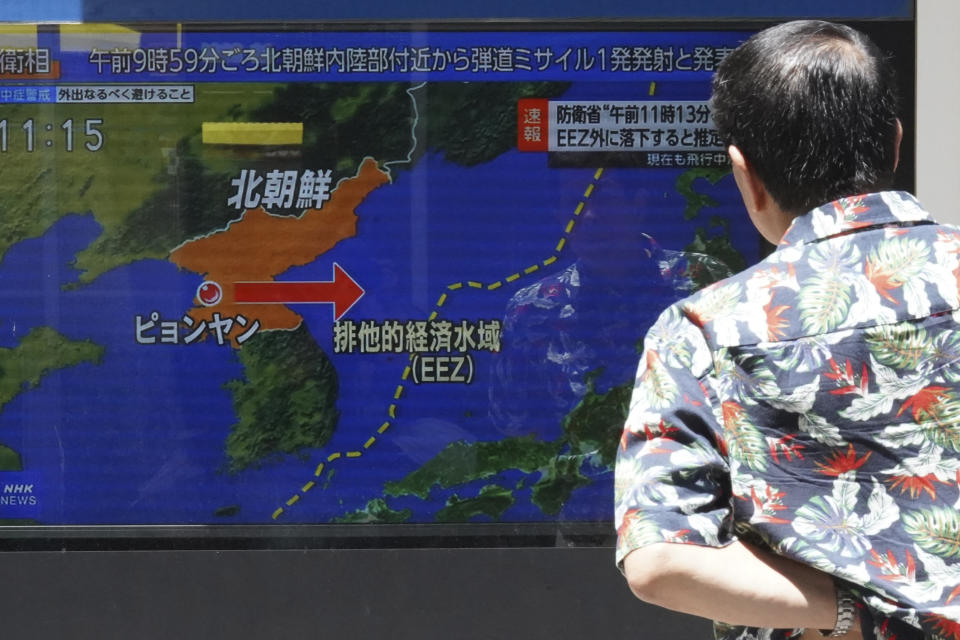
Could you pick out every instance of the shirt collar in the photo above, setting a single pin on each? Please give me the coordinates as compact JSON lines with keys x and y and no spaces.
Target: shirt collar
{"x":852,"y":213}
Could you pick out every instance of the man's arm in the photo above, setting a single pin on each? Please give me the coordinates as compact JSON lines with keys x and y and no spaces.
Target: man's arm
{"x":671,"y":489}
{"x":737,"y":584}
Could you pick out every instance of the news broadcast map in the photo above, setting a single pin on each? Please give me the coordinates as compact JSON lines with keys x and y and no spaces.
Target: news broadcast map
{"x":346,"y":294}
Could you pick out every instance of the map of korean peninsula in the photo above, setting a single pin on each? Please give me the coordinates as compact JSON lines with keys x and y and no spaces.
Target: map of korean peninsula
{"x":287,"y":401}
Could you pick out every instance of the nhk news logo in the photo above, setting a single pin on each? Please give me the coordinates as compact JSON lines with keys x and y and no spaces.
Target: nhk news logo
{"x":20,"y":495}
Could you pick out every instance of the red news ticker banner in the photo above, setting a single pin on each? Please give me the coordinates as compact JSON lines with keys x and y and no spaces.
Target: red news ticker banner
{"x":533,"y":132}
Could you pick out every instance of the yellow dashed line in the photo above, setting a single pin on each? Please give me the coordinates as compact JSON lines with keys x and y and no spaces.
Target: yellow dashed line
{"x":653,"y":87}
{"x":398,"y":393}
{"x":432,"y":316}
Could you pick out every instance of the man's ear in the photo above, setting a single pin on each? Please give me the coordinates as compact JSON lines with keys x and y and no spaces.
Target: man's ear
{"x":752,"y":191}
{"x":764,"y":212}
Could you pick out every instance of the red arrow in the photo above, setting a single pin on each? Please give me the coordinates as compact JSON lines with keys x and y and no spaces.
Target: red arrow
{"x":343,"y":292}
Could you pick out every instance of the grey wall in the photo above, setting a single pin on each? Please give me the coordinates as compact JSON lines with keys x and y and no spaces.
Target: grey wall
{"x":410,"y":594}
{"x":938,"y":98}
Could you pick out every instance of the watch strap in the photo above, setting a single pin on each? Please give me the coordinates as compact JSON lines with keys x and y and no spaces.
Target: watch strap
{"x":846,"y":613}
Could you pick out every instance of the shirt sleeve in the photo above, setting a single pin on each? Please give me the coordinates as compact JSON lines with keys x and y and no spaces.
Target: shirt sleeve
{"x":672,"y":481}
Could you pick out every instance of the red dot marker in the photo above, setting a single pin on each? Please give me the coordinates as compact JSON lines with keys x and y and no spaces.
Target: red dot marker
{"x":209,"y":293}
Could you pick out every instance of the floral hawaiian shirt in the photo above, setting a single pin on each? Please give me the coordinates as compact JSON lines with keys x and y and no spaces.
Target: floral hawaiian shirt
{"x":811,"y":404}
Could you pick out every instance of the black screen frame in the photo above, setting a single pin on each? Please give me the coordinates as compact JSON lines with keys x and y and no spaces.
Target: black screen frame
{"x":896,"y":37}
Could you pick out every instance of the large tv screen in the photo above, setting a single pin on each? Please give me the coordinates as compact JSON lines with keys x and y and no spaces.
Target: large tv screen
{"x":366,"y":278}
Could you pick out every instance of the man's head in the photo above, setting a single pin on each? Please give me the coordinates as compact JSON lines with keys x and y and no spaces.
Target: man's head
{"x":811,"y":107}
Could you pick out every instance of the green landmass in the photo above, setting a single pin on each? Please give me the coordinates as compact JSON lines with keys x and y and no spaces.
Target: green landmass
{"x":343,"y":123}
{"x":715,"y":243}
{"x":9,"y":459}
{"x":41,"y":352}
{"x":17,"y":522}
{"x":696,"y":200}
{"x":461,"y":462}
{"x":151,"y":200}
{"x":719,"y":247}
{"x":227,"y":512}
{"x":190,"y":204}
{"x":492,"y":501}
{"x":594,"y":426}
{"x":287,"y":401}
{"x":592,"y":430}
{"x":591,"y":433}
{"x":140,"y":144}
{"x":329,"y":478}
{"x":376,"y":512}
{"x":558,"y":482}
{"x":472,"y":123}
{"x":153,"y":185}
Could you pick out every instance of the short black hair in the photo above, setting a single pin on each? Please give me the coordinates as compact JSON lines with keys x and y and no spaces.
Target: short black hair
{"x":812,"y":106}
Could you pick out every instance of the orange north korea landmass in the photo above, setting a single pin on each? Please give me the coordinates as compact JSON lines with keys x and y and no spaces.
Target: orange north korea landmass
{"x":260,"y":246}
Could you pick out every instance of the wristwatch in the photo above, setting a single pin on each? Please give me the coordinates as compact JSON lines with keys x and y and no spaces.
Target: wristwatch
{"x":846,"y":613}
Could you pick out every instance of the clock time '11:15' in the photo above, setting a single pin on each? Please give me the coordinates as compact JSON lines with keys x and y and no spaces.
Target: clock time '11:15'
{"x":32,"y":132}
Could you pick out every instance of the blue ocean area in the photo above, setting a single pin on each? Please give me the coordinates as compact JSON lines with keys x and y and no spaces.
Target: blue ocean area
{"x":139,"y":438}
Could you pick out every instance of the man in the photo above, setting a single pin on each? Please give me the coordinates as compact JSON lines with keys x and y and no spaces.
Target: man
{"x":791,"y":457}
